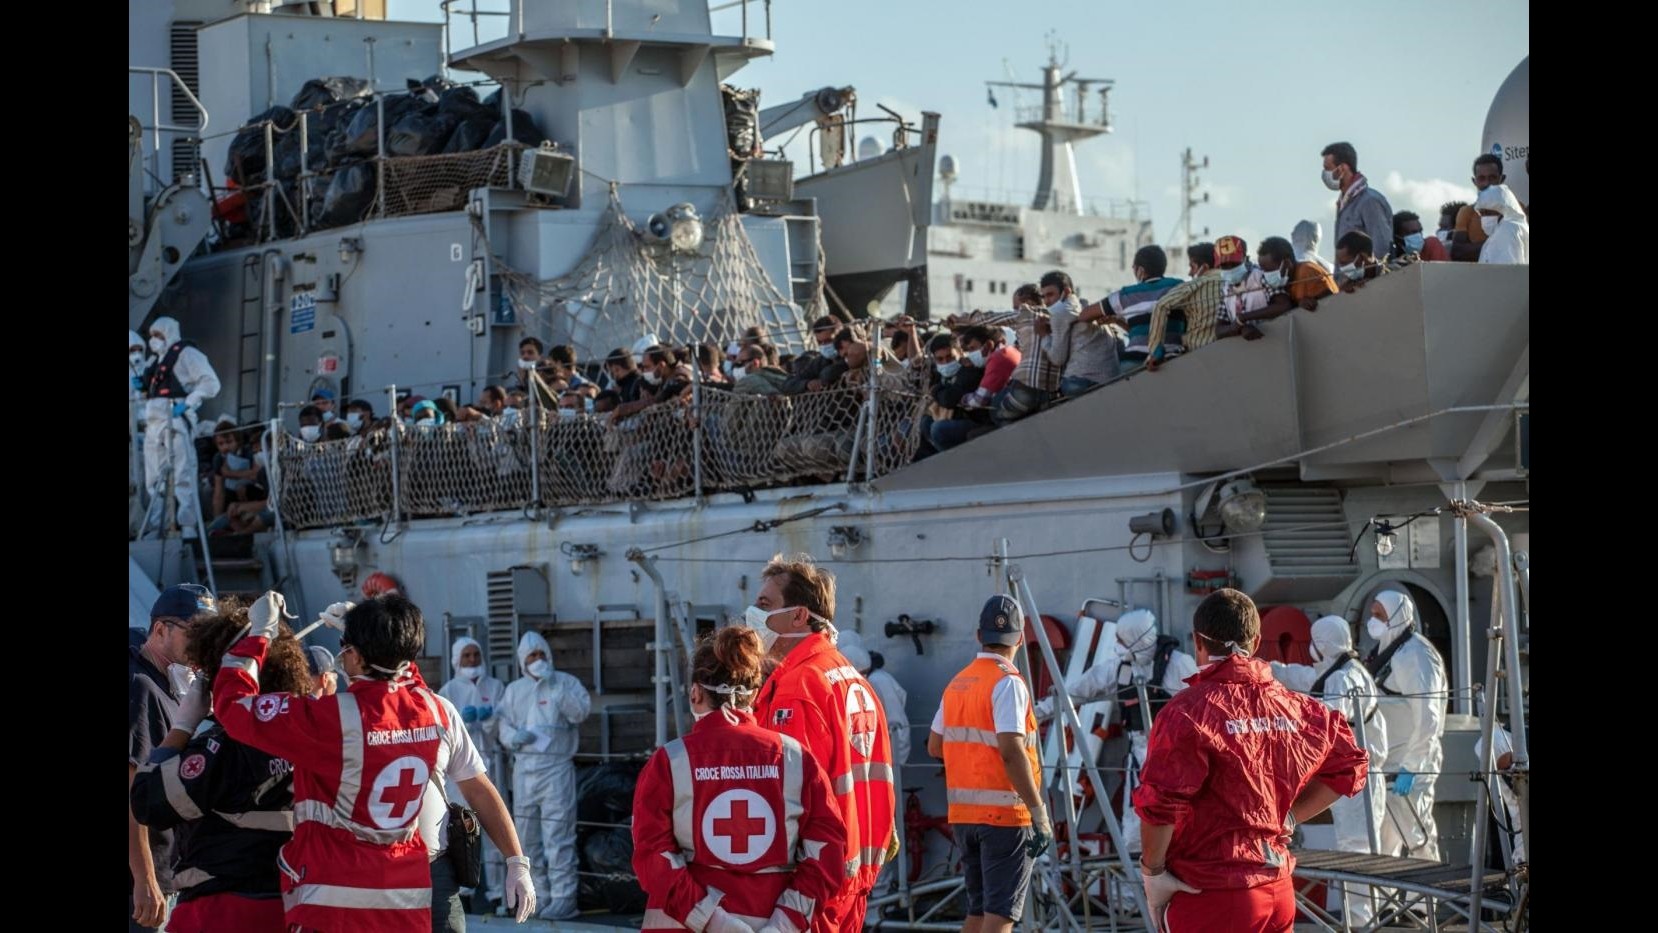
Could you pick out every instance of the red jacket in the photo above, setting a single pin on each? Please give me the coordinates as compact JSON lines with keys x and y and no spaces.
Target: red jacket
{"x":817,"y":697}
{"x":734,"y":816}
{"x":361,"y":761}
{"x":1226,"y":758}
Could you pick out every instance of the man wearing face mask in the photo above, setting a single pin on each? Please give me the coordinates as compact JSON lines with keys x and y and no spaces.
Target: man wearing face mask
{"x":175,"y":384}
{"x":1411,"y":675}
{"x":1130,"y":308}
{"x":1411,"y":244}
{"x":1035,"y":380}
{"x":137,"y":363}
{"x":1305,"y":238}
{"x":1290,"y":284}
{"x":1246,"y":289}
{"x":310,"y":424}
{"x":808,"y":369}
{"x":1360,"y":207}
{"x":538,"y":716}
{"x":664,"y":379}
{"x":1356,"y":262}
{"x":1142,"y":655}
{"x":1085,"y":353}
{"x":156,"y":680}
{"x":358,"y":415}
{"x":476,"y":695}
{"x":1507,"y":234}
{"x":964,"y":391}
{"x":1337,"y":672}
{"x":1468,"y":235}
{"x":323,"y":400}
{"x":1197,"y":302}
{"x":758,"y":372}
{"x":956,"y":381}
{"x":816,"y":697}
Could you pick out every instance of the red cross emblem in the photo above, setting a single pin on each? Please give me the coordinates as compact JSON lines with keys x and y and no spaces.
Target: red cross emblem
{"x":738,"y":827}
{"x":395,"y":797}
{"x":862,"y":717}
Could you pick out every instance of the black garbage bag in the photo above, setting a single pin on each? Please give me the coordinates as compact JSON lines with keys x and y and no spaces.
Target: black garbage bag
{"x":320,"y":92}
{"x":604,"y":793}
{"x":337,"y":136}
{"x":287,"y":154}
{"x":421,"y":92}
{"x":524,"y":130}
{"x":493,"y":101}
{"x":245,"y":163}
{"x":463,"y":102}
{"x":284,"y":207}
{"x":421,"y":132}
{"x":609,"y":853}
{"x":471,"y":133}
{"x":350,"y":195}
{"x":362,"y":134}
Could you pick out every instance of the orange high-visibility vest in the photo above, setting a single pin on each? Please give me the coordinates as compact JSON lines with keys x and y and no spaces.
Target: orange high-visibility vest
{"x":976,"y":783}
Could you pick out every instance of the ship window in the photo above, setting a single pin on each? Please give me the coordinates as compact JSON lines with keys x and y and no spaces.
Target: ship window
{"x":969,"y":284}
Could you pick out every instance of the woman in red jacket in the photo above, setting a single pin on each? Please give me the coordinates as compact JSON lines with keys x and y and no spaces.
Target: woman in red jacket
{"x":735,"y":828}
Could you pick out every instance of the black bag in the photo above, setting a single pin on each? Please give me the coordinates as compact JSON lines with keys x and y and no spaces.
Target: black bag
{"x":466,"y":846}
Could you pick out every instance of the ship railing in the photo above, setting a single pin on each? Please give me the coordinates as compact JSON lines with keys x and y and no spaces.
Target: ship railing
{"x":726,"y":442}
{"x":155,"y":129}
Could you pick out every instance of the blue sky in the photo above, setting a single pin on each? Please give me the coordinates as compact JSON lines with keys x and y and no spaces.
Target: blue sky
{"x":1407,"y":82}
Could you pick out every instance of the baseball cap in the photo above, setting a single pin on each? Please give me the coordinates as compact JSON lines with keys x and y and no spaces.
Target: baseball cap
{"x":323,"y":393}
{"x":183,"y":601}
{"x":1001,"y":622}
{"x":1230,"y":249}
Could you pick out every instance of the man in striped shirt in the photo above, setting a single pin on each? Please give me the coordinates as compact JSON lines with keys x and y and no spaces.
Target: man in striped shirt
{"x":1130,"y":308}
{"x":1199,"y":300}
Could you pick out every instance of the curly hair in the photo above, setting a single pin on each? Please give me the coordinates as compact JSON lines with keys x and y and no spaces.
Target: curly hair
{"x":732,"y":657}
{"x":210,"y":636}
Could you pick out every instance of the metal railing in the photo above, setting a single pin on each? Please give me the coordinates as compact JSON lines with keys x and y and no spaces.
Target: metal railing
{"x":155,"y":127}
{"x":721,"y":441}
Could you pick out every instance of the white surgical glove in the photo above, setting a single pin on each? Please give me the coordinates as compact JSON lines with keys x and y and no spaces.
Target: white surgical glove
{"x":1045,"y":709}
{"x":1160,"y":889}
{"x":334,"y":615}
{"x":520,"y":890}
{"x":722,"y":922}
{"x":266,"y":614}
{"x":194,"y":706}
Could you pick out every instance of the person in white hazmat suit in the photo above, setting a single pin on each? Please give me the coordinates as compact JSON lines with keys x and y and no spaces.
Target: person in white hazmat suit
{"x":175,"y":384}
{"x":1411,"y":678}
{"x":538,"y":717}
{"x":477,"y":695}
{"x":1144,"y":655}
{"x":1335,"y":673}
{"x":1509,"y":815}
{"x":1507,"y":234}
{"x":1304,"y":238}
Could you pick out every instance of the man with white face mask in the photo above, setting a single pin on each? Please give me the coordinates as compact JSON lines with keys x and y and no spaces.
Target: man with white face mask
{"x":476,"y":695}
{"x":175,"y":385}
{"x":1507,"y":234}
{"x":538,"y":716}
{"x":1335,"y":673}
{"x":137,"y":362}
{"x":816,"y":697}
{"x":1142,"y":655}
{"x":1360,"y":206}
{"x":1411,"y":675}
{"x":1035,"y":379}
{"x":807,"y":372}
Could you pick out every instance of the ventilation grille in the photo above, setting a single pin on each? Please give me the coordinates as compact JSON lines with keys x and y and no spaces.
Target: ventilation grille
{"x":1306,"y":533}
{"x":500,"y":609}
{"x":184,"y":62}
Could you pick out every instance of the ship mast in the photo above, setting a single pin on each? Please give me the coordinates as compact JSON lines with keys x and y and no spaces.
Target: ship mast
{"x":1057,"y":188}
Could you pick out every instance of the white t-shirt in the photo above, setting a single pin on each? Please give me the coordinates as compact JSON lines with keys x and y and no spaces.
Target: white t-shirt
{"x":458,"y":760}
{"x":1008,"y":701}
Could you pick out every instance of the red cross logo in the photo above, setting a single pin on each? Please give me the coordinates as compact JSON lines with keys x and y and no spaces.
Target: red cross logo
{"x":395,"y":797}
{"x":738,"y":827}
{"x":862,"y":717}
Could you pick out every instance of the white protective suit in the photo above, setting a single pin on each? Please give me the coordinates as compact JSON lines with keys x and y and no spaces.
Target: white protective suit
{"x":892,"y":696}
{"x":1305,"y":240}
{"x":1333,"y":652}
{"x":1136,"y":658}
{"x":477,"y":701}
{"x":1510,"y":242}
{"x":1510,"y":813}
{"x":137,"y":362}
{"x":168,"y":437}
{"x":1415,"y":691}
{"x":538,"y":719}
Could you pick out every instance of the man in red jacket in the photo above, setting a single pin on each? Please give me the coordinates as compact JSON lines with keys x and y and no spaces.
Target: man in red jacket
{"x":817,"y":697}
{"x":1232,"y":759}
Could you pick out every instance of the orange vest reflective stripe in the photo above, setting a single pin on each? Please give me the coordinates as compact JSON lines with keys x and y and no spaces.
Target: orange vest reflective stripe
{"x":976,"y":783}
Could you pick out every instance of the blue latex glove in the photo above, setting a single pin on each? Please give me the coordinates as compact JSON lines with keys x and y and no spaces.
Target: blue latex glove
{"x":484,"y":712}
{"x":469,"y":714}
{"x":137,"y":384}
{"x":1403,"y":782}
{"x":179,"y":408}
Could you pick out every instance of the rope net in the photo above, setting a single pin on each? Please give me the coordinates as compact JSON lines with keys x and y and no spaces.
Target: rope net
{"x":628,"y":285}
{"x":568,"y":458}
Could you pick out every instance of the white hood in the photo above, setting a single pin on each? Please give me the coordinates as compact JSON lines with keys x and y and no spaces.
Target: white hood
{"x":1332,"y":637}
{"x":1137,"y":634}
{"x":460,"y":645}
{"x":851,"y":645}
{"x":168,"y":328}
{"x":530,"y":642}
{"x":1401,"y":614}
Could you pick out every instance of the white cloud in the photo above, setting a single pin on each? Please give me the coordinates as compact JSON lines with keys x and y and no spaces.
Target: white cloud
{"x":1424,"y":197}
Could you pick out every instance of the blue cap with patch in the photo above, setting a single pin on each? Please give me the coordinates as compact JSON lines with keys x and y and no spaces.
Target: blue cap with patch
{"x":1001,"y":622}
{"x":184,"y":601}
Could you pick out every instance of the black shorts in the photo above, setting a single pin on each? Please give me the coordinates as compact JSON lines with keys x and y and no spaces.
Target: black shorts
{"x":996,"y":867}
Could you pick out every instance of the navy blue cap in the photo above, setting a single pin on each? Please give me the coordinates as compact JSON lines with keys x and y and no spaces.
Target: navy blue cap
{"x":323,"y":393}
{"x":1001,"y":622}
{"x":184,"y":601}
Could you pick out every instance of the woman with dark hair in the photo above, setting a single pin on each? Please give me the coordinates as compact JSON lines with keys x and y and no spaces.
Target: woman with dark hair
{"x":237,"y":800}
{"x":735,"y":828}
{"x":362,"y":758}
